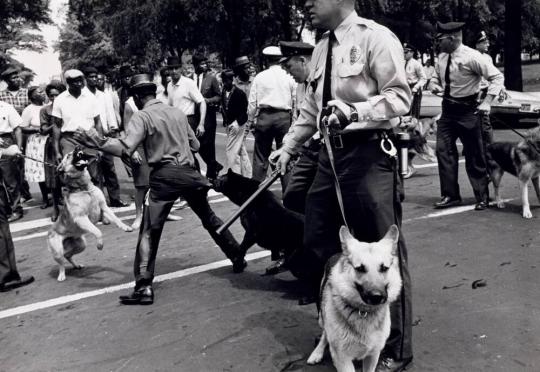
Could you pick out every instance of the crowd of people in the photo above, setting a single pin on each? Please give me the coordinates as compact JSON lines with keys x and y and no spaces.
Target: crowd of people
{"x":334,"y":106}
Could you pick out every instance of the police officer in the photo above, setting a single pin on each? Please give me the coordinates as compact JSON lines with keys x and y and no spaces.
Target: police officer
{"x":416,"y":78}
{"x":459,"y":72}
{"x":358,"y":71}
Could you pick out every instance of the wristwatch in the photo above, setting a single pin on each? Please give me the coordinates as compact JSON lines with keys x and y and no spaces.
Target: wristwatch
{"x":354,"y":115}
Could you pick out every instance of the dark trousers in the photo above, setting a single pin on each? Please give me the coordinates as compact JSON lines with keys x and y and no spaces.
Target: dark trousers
{"x":416,"y":104}
{"x":461,"y":121}
{"x":207,"y":141}
{"x":10,"y":167}
{"x":301,"y":178}
{"x":271,"y":125}
{"x":8,"y":265}
{"x":167,"y":183}
{"x":371,"y":193}
{"x":110,"y":179}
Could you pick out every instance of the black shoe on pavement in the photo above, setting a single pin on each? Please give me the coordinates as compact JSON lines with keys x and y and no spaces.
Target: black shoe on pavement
{"x":480,"y":206}
{"x":276,"y":267}
{"x":141,"y":296}
{"x":15,"y":216}
{"x":8,"y":286}
{"x":387,"y":364}
{"x":446,"y":202}
{"x":238,"y":265}
{"x":118,"y":204}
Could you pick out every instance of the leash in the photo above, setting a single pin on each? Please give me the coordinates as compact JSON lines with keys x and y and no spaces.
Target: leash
{"x":39,"y":161}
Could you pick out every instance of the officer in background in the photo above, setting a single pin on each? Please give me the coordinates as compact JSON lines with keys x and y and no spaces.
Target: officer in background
{"x":459,"y":73}
{"x":358,"y":70}
{"x":296,"y":61}
{"x":416,"y":78}
{"x":271,"y":99}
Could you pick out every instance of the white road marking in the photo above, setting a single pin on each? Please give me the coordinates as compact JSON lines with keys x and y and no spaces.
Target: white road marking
{"x":115,"y":288}
{"x":432,"y":165}
{"x":450,"y":211}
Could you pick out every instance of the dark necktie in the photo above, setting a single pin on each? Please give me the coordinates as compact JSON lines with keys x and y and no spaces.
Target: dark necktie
{"x":327,"y":86}
{"x":447,"y":77}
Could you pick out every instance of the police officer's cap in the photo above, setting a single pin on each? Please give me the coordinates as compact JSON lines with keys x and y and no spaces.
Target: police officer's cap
{"x":482,"y":36}
{"x":294,"y":48}
{"x":10,"y":71}
{"x":272,"y":51}
{"x":140,"y":81}
{"x":449,"y":28}
{"x":408,"y":47}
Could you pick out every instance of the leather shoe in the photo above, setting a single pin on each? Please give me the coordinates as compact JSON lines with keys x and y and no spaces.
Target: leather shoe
{"x":142,"y":296}
{"x":276,"y":267}
{"x":446,"y":202}
{"x":118,"y":204}
{"x":387,"y":364}
{"x":8,"y":286}
{"x":15,"y":216}
{"x":238,"y":265}
{"x":480,"y":206}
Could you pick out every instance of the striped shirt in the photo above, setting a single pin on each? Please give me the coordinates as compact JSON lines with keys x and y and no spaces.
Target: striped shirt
{"x":18,"y":99}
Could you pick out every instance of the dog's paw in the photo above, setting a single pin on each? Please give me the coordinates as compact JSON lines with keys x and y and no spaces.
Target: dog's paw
{"x":527,"y":214}
{"x":126,"y":228}
{"x":61,"y":277}
{"x":99,"y":245}
{"x":78,"y":267}
{"x":500,"y":204}
{"x":315,"y":357}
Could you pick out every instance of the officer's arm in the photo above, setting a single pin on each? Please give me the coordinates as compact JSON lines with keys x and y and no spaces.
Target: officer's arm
{"x":492,"y":74}
{"x":435,"y":81}
{"x":305,"y":125}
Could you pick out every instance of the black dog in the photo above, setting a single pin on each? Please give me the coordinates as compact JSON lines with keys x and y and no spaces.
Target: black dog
{"x":266,"y":221}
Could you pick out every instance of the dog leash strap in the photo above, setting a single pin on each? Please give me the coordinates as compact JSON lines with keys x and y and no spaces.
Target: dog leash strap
{"x":519,"y":134}
{"x":39,"y":161}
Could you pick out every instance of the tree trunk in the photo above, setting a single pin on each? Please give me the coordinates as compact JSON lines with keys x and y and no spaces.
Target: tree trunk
{"x":512,"y":45}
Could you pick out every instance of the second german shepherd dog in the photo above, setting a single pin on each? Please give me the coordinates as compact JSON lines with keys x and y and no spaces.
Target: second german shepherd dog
{"x":84,"y":204}
{"x":520,"y":159}
{"x":356,"y":292}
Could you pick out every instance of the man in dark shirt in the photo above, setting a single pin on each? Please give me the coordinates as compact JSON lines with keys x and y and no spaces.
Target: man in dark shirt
{"x":169,"y":141}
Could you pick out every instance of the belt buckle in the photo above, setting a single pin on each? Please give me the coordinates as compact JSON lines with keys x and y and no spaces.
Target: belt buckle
{"x":337,"y":141}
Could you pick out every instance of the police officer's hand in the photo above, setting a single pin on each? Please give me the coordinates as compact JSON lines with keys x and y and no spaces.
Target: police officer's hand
{"x":200,"y":130}
{"x":136,"y":158}
{"x":341,"y":113}
{"x":11,"y":151}
{"x":436,"y":89}
{"x":280,"y":159}
{"x":414,"y":89}
{"x":484,"y":108}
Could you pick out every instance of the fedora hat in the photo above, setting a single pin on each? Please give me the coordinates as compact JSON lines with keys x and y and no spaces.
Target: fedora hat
{"x":174,"y":61}
{"x":241,"y":61}
{"x":141,"y":80}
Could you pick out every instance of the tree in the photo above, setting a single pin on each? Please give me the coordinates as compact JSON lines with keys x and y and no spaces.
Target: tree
{"x":512,"y":42}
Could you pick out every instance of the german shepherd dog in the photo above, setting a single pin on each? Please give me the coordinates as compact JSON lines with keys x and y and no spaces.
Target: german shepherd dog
{"x":84,"y":204}
{"x":356,"y":292}
{"x":520,"y":159}
{"x":266,"y":221}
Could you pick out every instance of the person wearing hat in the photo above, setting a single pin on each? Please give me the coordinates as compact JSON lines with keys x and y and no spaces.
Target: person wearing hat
{"x":243,"y":78}
{"x":76,"y":108}
{"x":271,"y":99}
{"x":234,"y":109}
{"x":459,"y":72}
{"x":359,"y":87}
{"x":208,"y":85}
{"x":416,"y":78}
{"x":169,"y":140}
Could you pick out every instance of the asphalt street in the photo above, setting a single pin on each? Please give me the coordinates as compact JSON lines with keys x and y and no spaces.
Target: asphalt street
{"x":205,"y":318}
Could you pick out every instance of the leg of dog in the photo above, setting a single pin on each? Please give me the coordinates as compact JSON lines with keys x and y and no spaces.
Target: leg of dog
{"x":342,"y":362}
{"x":87,"y":226}
{"x":525,"y":198}
{"x":73,"y":246}
{"x":369,"y":364}
{"x":496,"y":175}
{"x":109,"y":214}
{"x":318,"y":353}
{"x":56,"y":248}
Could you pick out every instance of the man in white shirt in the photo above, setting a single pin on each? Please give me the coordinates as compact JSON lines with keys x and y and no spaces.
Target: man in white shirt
{"x":76,"y":108}
{"x":10,"y":134}
{"x":271,"y":99}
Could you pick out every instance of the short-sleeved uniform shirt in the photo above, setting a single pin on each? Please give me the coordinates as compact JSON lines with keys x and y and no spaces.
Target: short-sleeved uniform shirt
{"x":76,"y":112}
{"x":184,"y":95}
{"x":164,"y":133}
{"x":9,"y":118}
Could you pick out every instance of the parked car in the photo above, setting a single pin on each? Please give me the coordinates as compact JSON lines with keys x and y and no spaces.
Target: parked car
{"x":519,"y":110}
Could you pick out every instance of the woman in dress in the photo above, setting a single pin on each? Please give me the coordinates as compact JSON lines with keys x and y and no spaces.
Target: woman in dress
{"x":53,"y":89}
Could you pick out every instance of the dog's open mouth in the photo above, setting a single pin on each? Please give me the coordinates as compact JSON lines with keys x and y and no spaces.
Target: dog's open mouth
{"x":373,"y":297}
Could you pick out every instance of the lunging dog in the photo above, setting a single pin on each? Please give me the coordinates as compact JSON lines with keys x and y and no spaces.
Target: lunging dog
{"x":520,"y":159}
{"x":84,"y":204}
{"x":356,"y":292}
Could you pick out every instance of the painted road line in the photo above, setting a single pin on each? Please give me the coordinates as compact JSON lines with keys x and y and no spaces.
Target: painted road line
{"x":160,"y":278}
{"x":432,"y":165}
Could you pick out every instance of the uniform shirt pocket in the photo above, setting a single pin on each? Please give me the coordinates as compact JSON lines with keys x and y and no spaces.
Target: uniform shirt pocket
{"x":346,"y":70}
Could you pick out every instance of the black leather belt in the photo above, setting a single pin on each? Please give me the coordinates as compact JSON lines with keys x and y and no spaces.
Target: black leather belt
{"x":3,"y":135}
{"x":272,"y":109}
{"x":351,"y":139}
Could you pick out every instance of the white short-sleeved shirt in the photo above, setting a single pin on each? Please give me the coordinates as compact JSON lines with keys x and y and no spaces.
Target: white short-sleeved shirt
{"x":76,"y":112}
{"x":9,"y":118}
{"x":184,"y":95}
{"x":30,"y":116}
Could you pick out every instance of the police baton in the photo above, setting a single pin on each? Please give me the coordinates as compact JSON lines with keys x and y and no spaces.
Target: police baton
{"x":263,"y":186}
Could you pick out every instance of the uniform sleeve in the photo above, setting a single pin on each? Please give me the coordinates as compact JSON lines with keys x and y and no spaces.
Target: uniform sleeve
{"x":491,"y":73}
{"x":387,"y":66}
{"x":135,"y":132}
{"x":436,"y":76}
{"x":252,"y":100}
{"x":14,"y":118}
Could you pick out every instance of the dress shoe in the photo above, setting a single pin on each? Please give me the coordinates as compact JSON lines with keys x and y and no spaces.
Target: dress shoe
{"x":54,"y":215}
{"x":15,"y":216}
{"x":480,"y":206}
{"x":238,"y":265}
{"x":118,"y":204}
{"x":446,"y":202}
{"x":276,"y":267}
{"x":8,"y":286}
{"x":142,"y":296}
{"x":387,"y":364}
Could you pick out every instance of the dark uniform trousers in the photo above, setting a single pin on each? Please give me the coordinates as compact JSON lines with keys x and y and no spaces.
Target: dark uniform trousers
{"x":207,"y":141}
{"x":372,"y":195}
{"x":8,"y":265}
{"x":461,"y":121}
{"x":272,"y":124}
{"x":168,"y":182}
{"x":416,"y":103}
{"x":10,"y":166}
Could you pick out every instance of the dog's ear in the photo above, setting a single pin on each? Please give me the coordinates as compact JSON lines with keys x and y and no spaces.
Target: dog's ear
{"x":393,"y":235}
{"x":345,"y":236}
